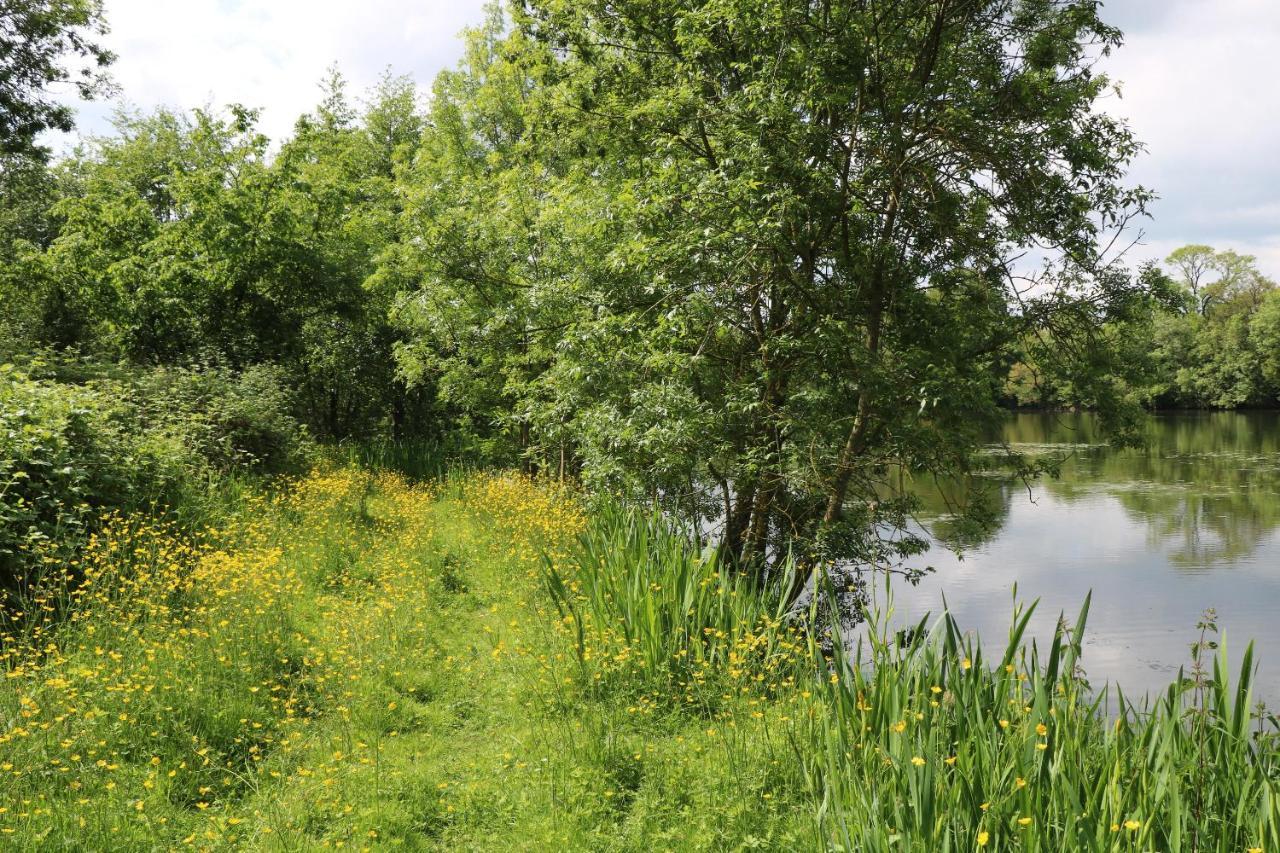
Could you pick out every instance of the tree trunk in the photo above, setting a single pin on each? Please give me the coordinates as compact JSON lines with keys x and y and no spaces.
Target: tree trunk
{"x":737,"y":523}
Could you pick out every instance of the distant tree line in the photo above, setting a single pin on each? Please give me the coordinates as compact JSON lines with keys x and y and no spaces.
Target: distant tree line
{"x":1209,"y":339}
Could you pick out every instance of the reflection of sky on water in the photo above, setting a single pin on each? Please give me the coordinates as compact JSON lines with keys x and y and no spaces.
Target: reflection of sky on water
{"x":1155,"y":551}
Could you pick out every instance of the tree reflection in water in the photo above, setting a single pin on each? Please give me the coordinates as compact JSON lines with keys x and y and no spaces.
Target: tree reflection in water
{"x":1206,"y":486}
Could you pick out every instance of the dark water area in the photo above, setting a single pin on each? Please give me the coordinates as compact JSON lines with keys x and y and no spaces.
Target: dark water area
{"x":1159,"y":534}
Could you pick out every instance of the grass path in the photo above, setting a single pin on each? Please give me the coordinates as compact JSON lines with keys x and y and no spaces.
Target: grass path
{"x":357,"y":664}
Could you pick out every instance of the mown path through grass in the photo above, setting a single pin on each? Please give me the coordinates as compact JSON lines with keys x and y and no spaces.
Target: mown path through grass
{"x":358,"y":663}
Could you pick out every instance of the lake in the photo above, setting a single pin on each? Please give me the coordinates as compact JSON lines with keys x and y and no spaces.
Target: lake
{"x":1158,"y":534}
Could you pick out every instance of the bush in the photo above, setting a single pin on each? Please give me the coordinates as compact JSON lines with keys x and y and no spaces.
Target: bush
{"x":67,"y":451}
{"x":233,"y":420}
{"x":70,"y":451}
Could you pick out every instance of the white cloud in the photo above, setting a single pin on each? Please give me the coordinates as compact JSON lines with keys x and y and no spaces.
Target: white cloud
{"x":1198,"y":88}
{"x":272,"y":54}
{"x":1197,"y":80}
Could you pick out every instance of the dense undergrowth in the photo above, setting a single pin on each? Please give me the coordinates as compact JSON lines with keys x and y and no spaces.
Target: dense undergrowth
{"x":358,"y":661}
{"x":80,"y":440}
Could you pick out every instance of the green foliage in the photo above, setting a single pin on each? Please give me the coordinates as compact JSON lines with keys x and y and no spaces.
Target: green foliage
{"x":70,"y":453}
{"x":1264,"y":332}
{"x":66,"y":453}
{"x":181,"y":240}
{"x":743,"y":259}
{"x":651,"y":613}
{"x":44,"y":43}
{"x":1205,"y":340}
{"x":233,"y":421}
{"x":931,"y":742}
{"x":478,"y":268}
{"x":344,"y":195}
{"x":746,"y":258}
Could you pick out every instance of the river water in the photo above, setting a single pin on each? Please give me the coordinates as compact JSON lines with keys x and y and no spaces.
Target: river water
{"x":1159,"y":534}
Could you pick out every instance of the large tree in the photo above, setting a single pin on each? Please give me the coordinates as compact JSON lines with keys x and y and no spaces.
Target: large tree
{"x":753,"y":259}
{"x":492,"y":227}
{"x":1219,"y":282}
{"x":822,"y":206}
{"x":1194,"y":266}
{"x":344,"y":200}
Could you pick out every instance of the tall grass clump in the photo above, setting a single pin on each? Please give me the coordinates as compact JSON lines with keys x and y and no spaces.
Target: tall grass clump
{"x":417,"y":458}
{"x":916,"y":739}
{"x":925,"y":745}
{"x":648,"y":609}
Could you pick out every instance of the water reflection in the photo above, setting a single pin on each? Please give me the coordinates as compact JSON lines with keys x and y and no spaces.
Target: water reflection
{"x":1189,"y":521}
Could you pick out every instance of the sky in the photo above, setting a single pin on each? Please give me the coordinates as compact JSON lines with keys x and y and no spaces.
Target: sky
{"x":1198,"y":87}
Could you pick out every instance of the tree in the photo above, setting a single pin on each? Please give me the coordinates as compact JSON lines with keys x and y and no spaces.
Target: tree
{"x":1240,"y":286}
{"x":1265,"y":334}
{"x":1193,"y":265}
{"x":775,"y":243}
{"x":481,"y":258}
{"x":28,"y":192}
{"x":176,"y":245}
{"x":1222,"y":281}
{"x":41,"y":42}
{"x":183,"y":239}
{"x":342,"y":191}
{"x":1216,"y":356}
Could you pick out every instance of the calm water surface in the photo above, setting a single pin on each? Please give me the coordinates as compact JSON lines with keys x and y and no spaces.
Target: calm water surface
{"x":1158,"y":534}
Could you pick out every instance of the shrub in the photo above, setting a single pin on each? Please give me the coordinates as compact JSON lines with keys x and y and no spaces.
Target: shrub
{"x":233,"y":420}
{"x":132,"y":440}
{"x":67,"y":451}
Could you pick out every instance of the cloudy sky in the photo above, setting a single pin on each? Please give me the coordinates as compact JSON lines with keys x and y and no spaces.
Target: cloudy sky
{"x":1198,"y":87}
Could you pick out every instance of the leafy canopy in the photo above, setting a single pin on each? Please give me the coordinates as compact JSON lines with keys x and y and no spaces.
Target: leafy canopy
{"x":752,"y":257}
{"x":44,"y":43}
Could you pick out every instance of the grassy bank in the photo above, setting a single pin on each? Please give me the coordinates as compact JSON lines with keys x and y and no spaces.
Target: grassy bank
{"x":356,"y":662}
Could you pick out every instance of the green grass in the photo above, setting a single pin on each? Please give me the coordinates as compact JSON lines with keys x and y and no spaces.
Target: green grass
{"x":362,"y":663}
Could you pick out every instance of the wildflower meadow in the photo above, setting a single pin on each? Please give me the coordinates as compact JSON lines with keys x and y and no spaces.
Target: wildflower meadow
{"x":352,"y":660}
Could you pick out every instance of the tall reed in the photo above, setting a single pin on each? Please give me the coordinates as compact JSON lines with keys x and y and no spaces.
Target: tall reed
{"x":924,"y":744}
{"x":647,"y":608}
{"x":918,"y":739}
